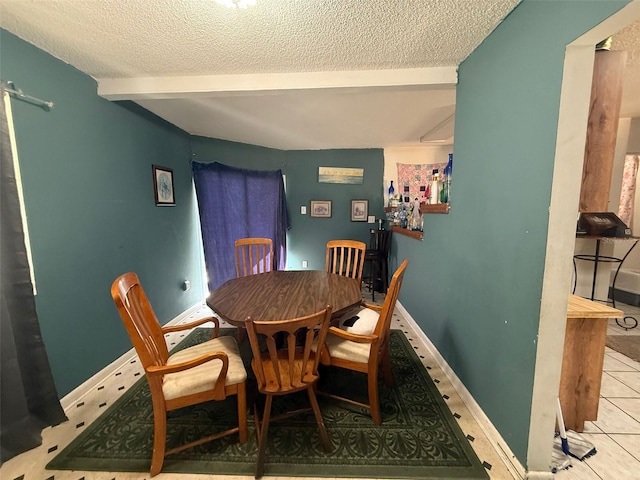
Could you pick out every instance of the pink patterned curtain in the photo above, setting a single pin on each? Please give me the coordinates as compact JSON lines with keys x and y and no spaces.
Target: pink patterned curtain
{"x":628,"y":192}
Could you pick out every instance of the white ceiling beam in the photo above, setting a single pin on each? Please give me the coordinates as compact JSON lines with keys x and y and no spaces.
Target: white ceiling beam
{"x":213,"y":85}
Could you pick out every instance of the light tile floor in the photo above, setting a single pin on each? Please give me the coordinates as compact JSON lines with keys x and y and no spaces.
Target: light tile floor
{"x":616,"y":433}
{"x":30,"y":465}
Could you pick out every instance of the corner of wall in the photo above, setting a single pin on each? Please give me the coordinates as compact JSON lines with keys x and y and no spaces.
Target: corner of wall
{"x":633,"y":144}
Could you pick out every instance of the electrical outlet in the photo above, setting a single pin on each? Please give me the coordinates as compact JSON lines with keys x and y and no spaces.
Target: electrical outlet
{"x":305,"y":264}
{"x":303,"y":210}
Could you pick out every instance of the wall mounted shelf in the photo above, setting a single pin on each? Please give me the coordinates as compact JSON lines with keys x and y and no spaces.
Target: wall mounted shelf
{"x":406,"y":232}
{"x":427,"y":208}
{"x":435,"y":208}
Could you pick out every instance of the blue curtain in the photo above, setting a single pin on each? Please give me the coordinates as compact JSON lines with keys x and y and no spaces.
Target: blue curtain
{"x":238,"y":203}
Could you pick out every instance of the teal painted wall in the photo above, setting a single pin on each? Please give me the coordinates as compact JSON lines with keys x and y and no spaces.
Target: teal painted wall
{"x":86,"y":170}
{"x":474,"y":284}
{"x":307,"y":238}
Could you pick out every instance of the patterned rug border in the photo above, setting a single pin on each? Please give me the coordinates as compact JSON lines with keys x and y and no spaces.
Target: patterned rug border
{"x":474,"y":470}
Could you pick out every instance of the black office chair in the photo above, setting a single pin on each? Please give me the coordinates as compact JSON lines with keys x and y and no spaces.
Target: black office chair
{"x":376,"y":257}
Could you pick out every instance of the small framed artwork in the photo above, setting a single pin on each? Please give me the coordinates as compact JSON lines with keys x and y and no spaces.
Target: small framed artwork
{"x":359,"y":210}
{"x":163,"y":186}
{"x":321,"y":208}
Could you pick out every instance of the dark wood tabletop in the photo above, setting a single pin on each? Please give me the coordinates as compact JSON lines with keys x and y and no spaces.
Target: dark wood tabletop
{"x":283,"y":295}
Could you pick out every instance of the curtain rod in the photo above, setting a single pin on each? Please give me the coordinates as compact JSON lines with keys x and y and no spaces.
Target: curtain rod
{"x":11,"y":88}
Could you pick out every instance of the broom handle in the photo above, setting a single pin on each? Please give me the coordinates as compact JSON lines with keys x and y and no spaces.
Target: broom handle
{"x":563,"y":433}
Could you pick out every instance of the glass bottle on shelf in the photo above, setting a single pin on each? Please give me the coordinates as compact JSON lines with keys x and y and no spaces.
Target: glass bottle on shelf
{"x":448,"y":171}
{"x":444,"y":194}
{"x":416,"y":220}
{"x":392,"y":201}
{"x":435,"y":187}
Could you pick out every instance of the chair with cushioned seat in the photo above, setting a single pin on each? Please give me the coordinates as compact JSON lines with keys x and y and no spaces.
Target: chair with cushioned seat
{"x":253,"y":255}
{"x":212,"y":370}
{"x":345,"y":257}
{"x":287,"y":365}
{"x":361,"y":343}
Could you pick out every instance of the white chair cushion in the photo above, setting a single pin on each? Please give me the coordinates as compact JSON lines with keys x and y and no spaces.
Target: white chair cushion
{"x":203,"y":377}
{"x":365,"y":324}
{"x":347,"y":350}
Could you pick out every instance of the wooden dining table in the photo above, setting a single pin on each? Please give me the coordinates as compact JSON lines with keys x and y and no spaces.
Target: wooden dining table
{"x":284,"y":295}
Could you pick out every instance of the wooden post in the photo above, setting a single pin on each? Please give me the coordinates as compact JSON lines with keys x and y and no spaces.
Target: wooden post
{"x":602,"y":130}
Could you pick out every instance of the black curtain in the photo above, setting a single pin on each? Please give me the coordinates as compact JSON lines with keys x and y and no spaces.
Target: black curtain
{"x":238,"y":203}
{"x":29,"y":400}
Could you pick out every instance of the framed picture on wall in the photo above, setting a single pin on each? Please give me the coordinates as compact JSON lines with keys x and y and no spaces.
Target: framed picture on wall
{"x":359,"y":210}
{"x":321,"y":208}
{"x":163,"y":186}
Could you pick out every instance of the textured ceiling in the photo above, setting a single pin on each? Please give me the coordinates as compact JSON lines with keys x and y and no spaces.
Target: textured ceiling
{"x":124,"y":38}
{"x":629,"y":39}
{"x":366,"y":73}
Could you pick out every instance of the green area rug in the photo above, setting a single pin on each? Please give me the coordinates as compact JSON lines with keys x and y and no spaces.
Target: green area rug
{"x":419,"y":437}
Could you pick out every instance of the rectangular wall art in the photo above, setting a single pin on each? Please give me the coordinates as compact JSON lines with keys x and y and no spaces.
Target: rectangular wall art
{"x":340,"y":175}
{"x":359,"y":210}
{"x":321,"y":208}
{"x":163,"y":186}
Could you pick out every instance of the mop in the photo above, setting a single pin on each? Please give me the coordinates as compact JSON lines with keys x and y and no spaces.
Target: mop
{"x":559,"y":459}
{"x":571,"y":442}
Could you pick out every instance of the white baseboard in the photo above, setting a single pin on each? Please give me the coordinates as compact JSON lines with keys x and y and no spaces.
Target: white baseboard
{"x":510,"y":460}
{"x":75,"y":396}
{"x":540,"y":476}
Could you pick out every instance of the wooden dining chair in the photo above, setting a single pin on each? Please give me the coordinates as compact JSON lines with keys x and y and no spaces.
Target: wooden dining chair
{"x":361,"y":343}
{"x":212,"y":370}
{"x":253,"y":255}
{"x":345,"y":257}
{"x":287,"y":365}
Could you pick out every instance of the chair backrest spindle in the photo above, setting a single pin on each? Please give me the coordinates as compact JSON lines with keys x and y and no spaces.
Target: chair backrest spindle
{"x":288,"y":364}
{"x":140,"y":321}
{"x":253,"y":255}
{"x":345,"y":257}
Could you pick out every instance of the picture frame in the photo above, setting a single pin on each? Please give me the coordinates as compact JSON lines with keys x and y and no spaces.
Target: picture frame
{"x":163,"y":188}
{"x":321,"y":208}
{"x":340,"y":175}
{"x":359,"y":210}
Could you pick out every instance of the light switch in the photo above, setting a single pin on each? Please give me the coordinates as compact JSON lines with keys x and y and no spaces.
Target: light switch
{"x":371,"y":219}
{"x":303,"y":210}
